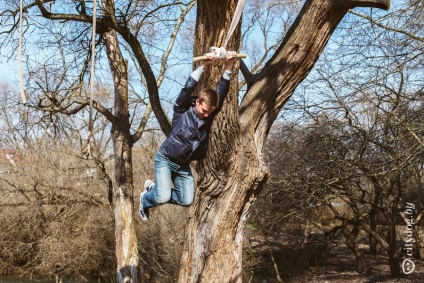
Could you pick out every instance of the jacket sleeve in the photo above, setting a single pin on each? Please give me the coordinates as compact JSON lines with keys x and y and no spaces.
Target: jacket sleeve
{"x":183,"y":101}
{"x":222,"y":90}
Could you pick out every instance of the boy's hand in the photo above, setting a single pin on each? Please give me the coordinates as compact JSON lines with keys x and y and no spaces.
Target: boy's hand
{"x":211,"y":58}
{"x":231,"y":55}
{"x":229,"y":62}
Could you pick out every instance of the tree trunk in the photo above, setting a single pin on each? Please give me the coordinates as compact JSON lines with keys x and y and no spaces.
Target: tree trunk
{"x":351,"y":236}
{"x":226,"y":185}
{"x":374,"y":214}
{"x":394,"y":265}
{"x":373,"y":221}
{"x":125,"y":237}
{"x":393,"y":253}
{"x":234,"y":171}
{"x":373,"y":226}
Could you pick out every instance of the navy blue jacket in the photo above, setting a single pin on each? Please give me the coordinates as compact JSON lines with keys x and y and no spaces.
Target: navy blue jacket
{"x":189,"y":137}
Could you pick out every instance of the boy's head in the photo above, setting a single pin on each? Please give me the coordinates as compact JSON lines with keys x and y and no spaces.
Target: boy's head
{"x":206,"y":102}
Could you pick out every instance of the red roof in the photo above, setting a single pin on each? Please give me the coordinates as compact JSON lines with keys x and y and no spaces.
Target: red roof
{"x":8,"y":156}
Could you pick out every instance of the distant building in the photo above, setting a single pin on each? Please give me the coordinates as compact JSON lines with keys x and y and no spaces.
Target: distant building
{"x":7,"y":158}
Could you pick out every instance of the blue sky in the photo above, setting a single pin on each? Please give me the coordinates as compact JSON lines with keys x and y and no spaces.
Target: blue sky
{"x":8,"y":71}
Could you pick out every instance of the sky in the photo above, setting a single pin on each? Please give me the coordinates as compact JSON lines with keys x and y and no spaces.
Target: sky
{"x":8,"y":71}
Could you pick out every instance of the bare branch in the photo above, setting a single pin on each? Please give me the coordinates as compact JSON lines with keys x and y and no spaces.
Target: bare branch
{"x":387,"y":27}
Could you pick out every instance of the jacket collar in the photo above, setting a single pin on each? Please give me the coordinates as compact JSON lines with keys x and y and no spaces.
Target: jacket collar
{"x":199,"y":122}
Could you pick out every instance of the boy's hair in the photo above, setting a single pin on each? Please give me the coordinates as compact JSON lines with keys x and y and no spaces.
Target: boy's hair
{"x":209,"y":96}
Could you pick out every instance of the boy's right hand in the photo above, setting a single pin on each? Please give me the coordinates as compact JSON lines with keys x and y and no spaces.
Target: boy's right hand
{"x":211,"y":58}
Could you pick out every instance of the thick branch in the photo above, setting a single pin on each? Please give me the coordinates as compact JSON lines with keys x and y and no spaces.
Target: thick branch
{"x":67,"y":17}
{"x":150,"y":80}
{"x":381,"y":4}
{"x":246,"y":74}
{"x":292,"y":61}
{"x":105,"y":112}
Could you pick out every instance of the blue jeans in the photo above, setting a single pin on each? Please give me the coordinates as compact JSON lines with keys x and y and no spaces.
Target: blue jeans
{"x":162,"y":192}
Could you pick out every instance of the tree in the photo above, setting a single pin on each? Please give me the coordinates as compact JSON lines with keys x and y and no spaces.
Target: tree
{"x":234,"y":172}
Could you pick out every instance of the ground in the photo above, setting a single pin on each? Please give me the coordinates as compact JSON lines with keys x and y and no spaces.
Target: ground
{"x":341,"y":269}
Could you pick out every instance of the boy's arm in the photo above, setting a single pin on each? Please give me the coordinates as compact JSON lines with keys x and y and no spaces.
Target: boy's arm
{"x":183,"y":101}
{"x":224,"y":83}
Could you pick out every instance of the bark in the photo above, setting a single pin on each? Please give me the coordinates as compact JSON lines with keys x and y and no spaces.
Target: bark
{"x":125,"y":236}
{"x":373,"y":227}
{"x":234,"y":172}
{"x":393,"y":251}
{"x":212,"y":251}
{"x":351,"y":236}
{"x":374,"y":214}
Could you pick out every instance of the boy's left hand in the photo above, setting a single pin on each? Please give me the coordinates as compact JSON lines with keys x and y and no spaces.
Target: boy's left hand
{"x":231,"y":55}
{"x":211,"y":58}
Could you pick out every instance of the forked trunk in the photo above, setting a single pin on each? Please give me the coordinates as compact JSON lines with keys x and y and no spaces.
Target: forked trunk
{"x":234,"y":172}
{"x":213,"y":249}
{"x":227,"y":181}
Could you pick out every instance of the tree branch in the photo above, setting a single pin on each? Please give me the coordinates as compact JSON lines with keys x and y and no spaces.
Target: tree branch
{"x":292,"y":62}
{"x":82,"y":17}
{"x":246,"y":74}
{"x":381,"y":4}
{"x":412,"y":36}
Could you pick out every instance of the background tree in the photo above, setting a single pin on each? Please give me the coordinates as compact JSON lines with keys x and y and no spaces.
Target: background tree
{"x":361,"y":112}
{"x":381,"y":75}
{"x":56,"y":209}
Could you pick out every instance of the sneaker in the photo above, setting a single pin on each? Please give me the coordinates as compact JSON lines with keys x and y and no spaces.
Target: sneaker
{"x":144,"y":213}
{"x":148,"y":185}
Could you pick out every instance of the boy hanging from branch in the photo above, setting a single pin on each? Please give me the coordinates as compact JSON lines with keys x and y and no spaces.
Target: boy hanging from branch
{"x":188,"y":140}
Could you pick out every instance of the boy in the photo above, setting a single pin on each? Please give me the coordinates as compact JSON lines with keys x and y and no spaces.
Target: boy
{"x":188,"y":140}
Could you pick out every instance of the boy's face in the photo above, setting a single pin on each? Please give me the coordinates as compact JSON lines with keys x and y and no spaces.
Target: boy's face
{"x":203,"y":110}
